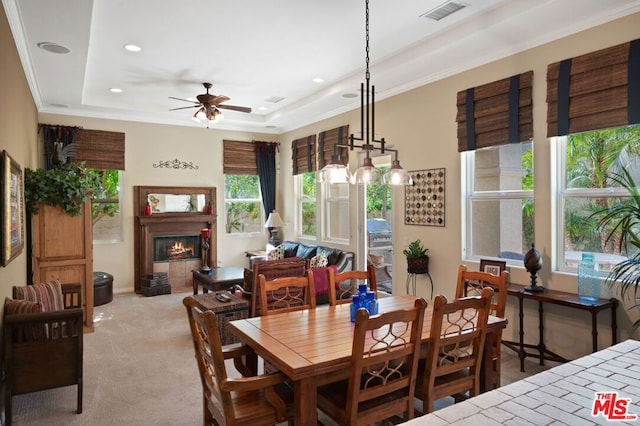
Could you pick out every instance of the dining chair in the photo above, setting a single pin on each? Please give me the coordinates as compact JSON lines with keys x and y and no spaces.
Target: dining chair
{"x":471,"y":283}
{"x":344,"y":285}
{"x":382,"y":376}
{"x":286,"y":294}
{"x":453,"y":363}
{"x":255,"y":400}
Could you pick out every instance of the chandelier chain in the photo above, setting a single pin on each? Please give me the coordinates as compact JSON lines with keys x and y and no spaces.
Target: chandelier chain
{"x":367,"y":39}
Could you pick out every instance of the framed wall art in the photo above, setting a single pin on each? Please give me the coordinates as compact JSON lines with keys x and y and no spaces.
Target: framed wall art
{"x":12,"y":214}
{"x":494,"y":267}
{"x":424,"y":202}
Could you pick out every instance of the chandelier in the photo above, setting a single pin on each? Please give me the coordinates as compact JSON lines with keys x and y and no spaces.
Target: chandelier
{"x":335,"y":171}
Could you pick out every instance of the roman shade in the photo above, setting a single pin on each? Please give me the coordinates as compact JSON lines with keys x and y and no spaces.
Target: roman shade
{"x":303,"y":154}
{"x":594,"y":91}
{"x":239,"y":158}
{"x":496,"y":113}
{"x":100,"y":149}
{"x":327,"y":142}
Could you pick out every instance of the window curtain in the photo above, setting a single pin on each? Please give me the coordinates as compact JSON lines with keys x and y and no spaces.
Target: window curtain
{"x":496,"y":113}
{"x":327,"y":142}
{"x":594,"y":91}
{"x":98,"y":149}
{"x":238,"y":158}
{"x":303,"y":155}
{"x":265,"y":154}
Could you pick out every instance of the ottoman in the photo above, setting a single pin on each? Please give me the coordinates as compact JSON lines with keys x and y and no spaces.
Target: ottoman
{"x":236,"y":308}
{"x":102,"y":288}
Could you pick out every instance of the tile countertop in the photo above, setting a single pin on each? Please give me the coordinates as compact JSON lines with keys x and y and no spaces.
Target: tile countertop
{"x":561,"y":395}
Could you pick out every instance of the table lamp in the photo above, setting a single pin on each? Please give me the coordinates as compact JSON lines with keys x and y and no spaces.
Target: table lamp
{"x":274,"y":221}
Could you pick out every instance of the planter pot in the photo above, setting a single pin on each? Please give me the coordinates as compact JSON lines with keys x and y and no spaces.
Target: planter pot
{"x":418,"y":265}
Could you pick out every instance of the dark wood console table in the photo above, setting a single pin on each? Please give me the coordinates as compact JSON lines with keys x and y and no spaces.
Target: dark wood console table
{"x":557,"y":298}
{"x":217,"y":278}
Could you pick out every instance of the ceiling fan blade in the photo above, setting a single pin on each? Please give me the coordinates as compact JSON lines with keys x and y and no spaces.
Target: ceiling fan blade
{"x":235,"y":108}
{"x":218,"y":99}
{"x":192,"y":106}
{"x":180,"y":99}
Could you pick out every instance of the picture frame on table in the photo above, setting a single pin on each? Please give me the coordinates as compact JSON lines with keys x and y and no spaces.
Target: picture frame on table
{"x":494,"y":267}
{"x":12,"y":209}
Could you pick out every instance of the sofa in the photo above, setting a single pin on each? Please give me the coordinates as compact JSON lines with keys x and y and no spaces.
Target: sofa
{"x":343,"y":260}
{"x":43,"y":340}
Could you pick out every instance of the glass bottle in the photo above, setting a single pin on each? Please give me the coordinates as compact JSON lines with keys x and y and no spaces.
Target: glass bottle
{"x":355,"y":305}
{"x":588,"y":278}
{"x":372,"y":303}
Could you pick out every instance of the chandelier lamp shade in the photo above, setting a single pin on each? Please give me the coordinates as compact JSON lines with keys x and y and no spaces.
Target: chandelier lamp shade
{"x":273,"y":222}
{"x":335,"y":171}
{"x":210,"y":113}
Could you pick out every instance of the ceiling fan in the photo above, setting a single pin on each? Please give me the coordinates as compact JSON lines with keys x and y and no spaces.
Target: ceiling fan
{"x":209,"y":105}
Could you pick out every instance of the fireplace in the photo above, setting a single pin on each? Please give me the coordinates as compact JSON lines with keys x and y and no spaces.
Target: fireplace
{"x":170,"y":242}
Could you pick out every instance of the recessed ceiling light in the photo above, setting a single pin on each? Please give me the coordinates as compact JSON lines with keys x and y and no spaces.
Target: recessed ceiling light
{"x":132,"y":48}
{"x":53,"y":47}
{"x":263,"y":108}
{"x":115,"y":90}
{"x":350,"y":95}
{"x":318,"y":80}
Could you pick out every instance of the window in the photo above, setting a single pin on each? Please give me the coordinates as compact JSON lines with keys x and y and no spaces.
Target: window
{"x":336,"y":217}
{"x":306,"y":205}
{"x":243,"y":207}
{"x":498,"y":201}
{"x":105,"y":206}
{"x":586,"y":163}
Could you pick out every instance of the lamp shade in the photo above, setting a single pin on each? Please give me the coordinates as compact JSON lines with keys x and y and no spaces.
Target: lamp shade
{"x":274,"y":221}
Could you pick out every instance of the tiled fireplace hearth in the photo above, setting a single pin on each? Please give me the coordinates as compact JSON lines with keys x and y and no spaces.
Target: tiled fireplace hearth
{"x":170,"y":242}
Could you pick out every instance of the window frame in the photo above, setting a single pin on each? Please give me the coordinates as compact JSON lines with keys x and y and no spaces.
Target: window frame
{"x":327,"y":200}
{"x":120,"y":236}
{"x":262,"y":218}
{"x":300,"y":200}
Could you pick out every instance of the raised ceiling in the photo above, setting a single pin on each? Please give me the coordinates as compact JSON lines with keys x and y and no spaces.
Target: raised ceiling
{"x":257,"y":51}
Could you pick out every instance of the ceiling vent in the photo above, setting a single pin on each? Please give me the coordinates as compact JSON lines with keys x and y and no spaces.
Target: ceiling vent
{"x":274,"y":99}
{"x":444,"y":10}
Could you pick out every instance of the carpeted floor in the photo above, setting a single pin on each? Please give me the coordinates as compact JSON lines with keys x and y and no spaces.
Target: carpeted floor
{"x":139,"y":369}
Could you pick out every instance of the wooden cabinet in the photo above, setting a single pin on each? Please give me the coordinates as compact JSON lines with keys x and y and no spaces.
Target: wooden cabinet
{"x":62,"y":248}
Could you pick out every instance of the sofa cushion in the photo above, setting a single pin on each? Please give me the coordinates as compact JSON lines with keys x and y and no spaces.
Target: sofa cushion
{"x":276,"y":253}
{"x":48,"y":294}
{"x":331,"y":254}
{"x":19,"y":306}
{"x":318,"y":261}
{"x":305,"y":251}
{"x":290,"y":248}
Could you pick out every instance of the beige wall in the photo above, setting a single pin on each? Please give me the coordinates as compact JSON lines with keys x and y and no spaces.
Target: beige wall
{"x":421,"y":123}
{"x":18,"y":132}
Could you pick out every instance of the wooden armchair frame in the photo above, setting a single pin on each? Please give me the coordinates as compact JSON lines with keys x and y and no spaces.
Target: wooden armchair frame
{"x":286,"y":294}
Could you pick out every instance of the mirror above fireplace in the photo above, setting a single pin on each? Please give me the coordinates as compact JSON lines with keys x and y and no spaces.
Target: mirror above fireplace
{"x":174,"y":199}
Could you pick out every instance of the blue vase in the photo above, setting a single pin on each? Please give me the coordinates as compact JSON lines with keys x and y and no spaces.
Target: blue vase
{"x":588,"y":278}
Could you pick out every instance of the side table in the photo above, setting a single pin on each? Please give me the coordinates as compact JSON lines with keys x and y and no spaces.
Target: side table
{"x":236,"y":308}
{"x":562,"y":298}
{"x":217,"y":278}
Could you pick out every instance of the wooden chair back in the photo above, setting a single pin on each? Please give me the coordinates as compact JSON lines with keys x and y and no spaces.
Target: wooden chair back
{"x":287,"y":267}
{"x":471,"y":283}
{"x":343,"y":286}
{"x":231,"y":401}
{"x":384,"y":361}
{"x":287,"y":294}
{"x":454,"y":356}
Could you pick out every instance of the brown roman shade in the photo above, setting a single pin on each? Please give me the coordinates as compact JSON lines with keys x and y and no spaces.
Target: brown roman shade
{"x":327,"y":142}
{"x":303,"y":154}
{"x":100,"y":149}
{"x":496,"y":113}
{"x":594,"y":91}
{"x":239,"y":158}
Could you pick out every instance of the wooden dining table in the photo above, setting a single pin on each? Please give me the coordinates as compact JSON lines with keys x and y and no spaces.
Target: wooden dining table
{"x":313,"y":347}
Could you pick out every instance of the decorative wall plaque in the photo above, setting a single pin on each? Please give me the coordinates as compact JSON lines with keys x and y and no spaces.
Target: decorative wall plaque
{"x":424,"y":200}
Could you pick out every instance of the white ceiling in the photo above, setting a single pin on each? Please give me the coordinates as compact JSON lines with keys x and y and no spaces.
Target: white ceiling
{"x":252,"y":50}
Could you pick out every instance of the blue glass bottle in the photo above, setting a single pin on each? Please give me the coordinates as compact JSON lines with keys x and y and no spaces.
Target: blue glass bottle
{"x":588,"y":278}
{"x":355,"y":305}
{"x":372,"y":303}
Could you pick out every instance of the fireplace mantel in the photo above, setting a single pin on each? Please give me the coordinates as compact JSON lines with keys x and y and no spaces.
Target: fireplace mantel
{"x":149,"y":227}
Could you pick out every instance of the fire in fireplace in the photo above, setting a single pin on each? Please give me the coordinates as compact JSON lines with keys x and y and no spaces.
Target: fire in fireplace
{"x":176,"y":247}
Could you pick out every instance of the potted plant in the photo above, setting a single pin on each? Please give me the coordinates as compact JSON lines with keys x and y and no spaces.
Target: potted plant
{"x":622,"y":223}
{"x":417,"y":258}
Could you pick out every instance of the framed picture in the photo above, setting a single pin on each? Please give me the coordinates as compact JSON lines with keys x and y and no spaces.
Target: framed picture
{"x":494,"y":267}
{"x":12,"y":214}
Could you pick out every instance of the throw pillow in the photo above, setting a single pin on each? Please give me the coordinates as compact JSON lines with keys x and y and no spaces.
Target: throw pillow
{"x":48,"y":294}
{"x":305,"y":251}
{"x":318,"y":261}
{"x":276,"y":253}
{"x":17,"y":306}
{"x":332,"y":254}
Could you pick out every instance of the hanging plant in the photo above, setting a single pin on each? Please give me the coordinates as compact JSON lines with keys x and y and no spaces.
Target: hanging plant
{"x":65,"y":186}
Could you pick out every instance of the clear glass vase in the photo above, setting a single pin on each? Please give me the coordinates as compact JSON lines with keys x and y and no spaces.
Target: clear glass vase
{"x":588,"y":278}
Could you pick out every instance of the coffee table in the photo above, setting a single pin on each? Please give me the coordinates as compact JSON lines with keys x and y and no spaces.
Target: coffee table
{"x":217,"y":278}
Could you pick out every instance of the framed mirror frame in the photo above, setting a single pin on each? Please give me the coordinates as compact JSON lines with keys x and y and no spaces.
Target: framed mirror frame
{"x":12,"y":213}
{"x":141,"y":195}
